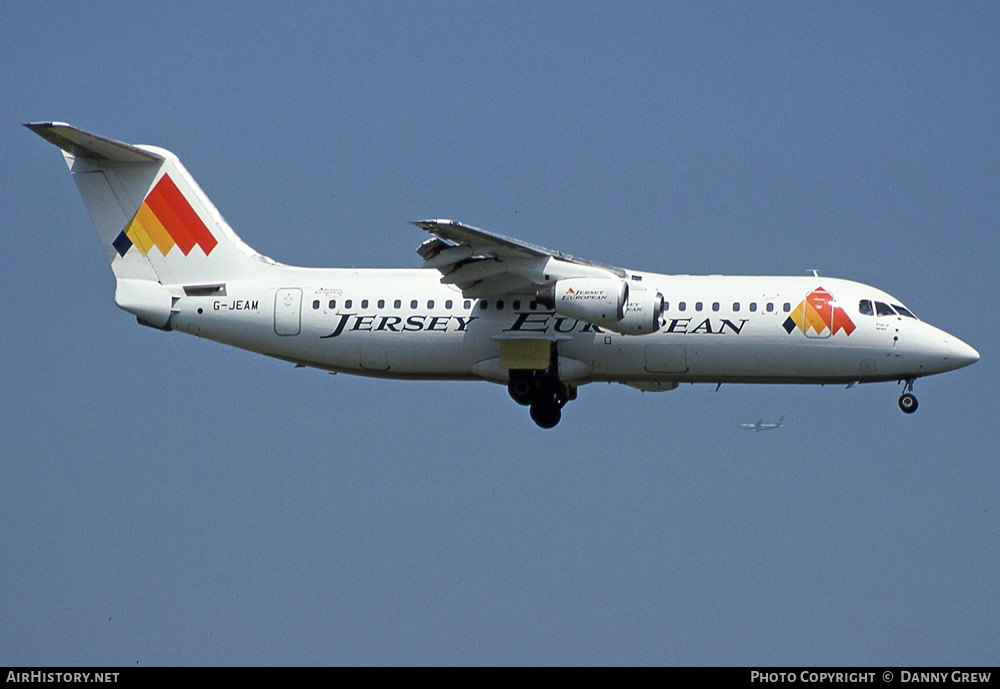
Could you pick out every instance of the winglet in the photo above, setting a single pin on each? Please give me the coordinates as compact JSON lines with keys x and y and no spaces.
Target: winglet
{"x":81,"y":144}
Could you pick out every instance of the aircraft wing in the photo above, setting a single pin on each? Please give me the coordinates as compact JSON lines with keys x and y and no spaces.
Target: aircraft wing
{"x":485,"y":264}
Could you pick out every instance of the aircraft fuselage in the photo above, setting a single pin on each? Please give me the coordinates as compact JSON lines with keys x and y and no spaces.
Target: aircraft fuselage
{"x":716,"y":329}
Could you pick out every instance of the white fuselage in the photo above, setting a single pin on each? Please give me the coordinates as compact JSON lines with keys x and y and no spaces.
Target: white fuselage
{"x":717,"y":329}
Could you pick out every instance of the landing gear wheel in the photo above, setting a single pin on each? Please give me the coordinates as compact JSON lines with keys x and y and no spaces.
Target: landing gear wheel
{"x":541,"y":390}
{"x":907,"y":401}
{"x":546,"y":415}
{"x":521,"y":389}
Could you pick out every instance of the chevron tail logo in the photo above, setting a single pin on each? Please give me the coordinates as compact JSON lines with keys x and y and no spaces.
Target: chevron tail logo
{"x":819,"y":312}
{"x":165,"y":220}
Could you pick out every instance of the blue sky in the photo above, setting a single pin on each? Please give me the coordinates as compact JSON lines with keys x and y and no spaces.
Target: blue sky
{"x":169,"y":501}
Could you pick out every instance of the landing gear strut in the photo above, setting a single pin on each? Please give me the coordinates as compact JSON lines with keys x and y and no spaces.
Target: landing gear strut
{"x":542,"y":391}
{"x":908,"y":401}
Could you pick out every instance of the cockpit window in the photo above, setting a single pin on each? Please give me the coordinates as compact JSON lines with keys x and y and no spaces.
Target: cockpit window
{"x":865,"y":307}
{"x":884,"y":309}
{"x":903,"y":311}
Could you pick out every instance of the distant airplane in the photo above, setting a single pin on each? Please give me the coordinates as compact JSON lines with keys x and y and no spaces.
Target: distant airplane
{"x":761,"y":426}
{"x":483,"y":306}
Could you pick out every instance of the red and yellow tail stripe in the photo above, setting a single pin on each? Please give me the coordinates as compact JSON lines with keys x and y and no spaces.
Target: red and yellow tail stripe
{"x":165,"y":220}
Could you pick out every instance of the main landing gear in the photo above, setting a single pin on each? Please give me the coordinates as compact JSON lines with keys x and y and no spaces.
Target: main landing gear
{"x":542,"y":391}
{"x":908,"y":401}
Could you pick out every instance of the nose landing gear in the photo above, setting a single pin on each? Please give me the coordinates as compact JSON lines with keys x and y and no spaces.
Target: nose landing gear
{"x":908,"y":401}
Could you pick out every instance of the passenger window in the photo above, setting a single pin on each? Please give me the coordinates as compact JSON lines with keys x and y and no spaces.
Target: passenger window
{"x":786,"y":307}
{"x":381,"y":303}
{"x":413,"y":304}
{"x":484,"y":304}
{"x":865,"y":307}
{"x":430,"y":303}
{"x":770,"y":307}
{"x":397,"y":304}
{"x":448,"y":304}
{"x":736,"y":306}
{"x":316,"y":304}
{"x":499,"y":304}
{"x":348,"y":303}
{"x":364,"y":303}
{"x":682,"y":306}
{"x":883,"y":309}
{"x":715,"y":306}
{"x":517,"y":304}
{"x":697,"y":306}
{"x":333,"y":303}
{"x":666,"y":306}
{"x":467,"y":304}
{"x":532,"y":304}
{"x":903,"y":311}
{"x":753,"y":307}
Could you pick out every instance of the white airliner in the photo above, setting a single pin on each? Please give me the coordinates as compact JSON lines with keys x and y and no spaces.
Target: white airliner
{"x":483,"y":306}
{"x":761,"y":426}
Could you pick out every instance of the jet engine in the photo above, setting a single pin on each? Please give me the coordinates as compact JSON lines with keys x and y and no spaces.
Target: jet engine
{"x":607,"y":302}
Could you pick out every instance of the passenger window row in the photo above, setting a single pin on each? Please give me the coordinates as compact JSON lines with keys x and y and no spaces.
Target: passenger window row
{"x":865,"y":307}
{"x":499,"y":304}
{"x":769,"y":307}
{"x":397,"y":304}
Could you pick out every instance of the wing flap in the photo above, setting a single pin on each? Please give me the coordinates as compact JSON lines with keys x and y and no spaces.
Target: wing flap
{"x":441,"y":255}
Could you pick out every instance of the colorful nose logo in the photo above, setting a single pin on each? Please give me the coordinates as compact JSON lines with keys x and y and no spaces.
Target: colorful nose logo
{"x":817,"y":313}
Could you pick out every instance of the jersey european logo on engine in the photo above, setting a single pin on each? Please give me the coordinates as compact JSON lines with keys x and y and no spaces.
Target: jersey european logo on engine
{"x":819,"y":312}
{"x":165,"y":220}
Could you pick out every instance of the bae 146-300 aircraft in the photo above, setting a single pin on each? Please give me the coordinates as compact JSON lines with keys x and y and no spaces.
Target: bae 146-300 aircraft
{"x":483,"y":306}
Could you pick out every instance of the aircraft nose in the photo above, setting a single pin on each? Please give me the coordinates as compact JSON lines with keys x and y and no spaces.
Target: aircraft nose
{"x":960,"y":354}
{"x":939,"y":351}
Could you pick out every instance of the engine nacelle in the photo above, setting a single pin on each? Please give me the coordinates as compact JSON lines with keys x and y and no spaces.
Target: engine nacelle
{"x":606,"y":302}
{"x":595,"y":300}
{"x":643,"y":314}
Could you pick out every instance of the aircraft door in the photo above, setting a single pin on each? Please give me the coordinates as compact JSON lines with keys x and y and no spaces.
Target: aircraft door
{"x":816,"y":314}
{"x":288,"y":311}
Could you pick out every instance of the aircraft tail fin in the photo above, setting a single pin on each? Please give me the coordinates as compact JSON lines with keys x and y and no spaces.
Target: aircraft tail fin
{"x":155,"y":222}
